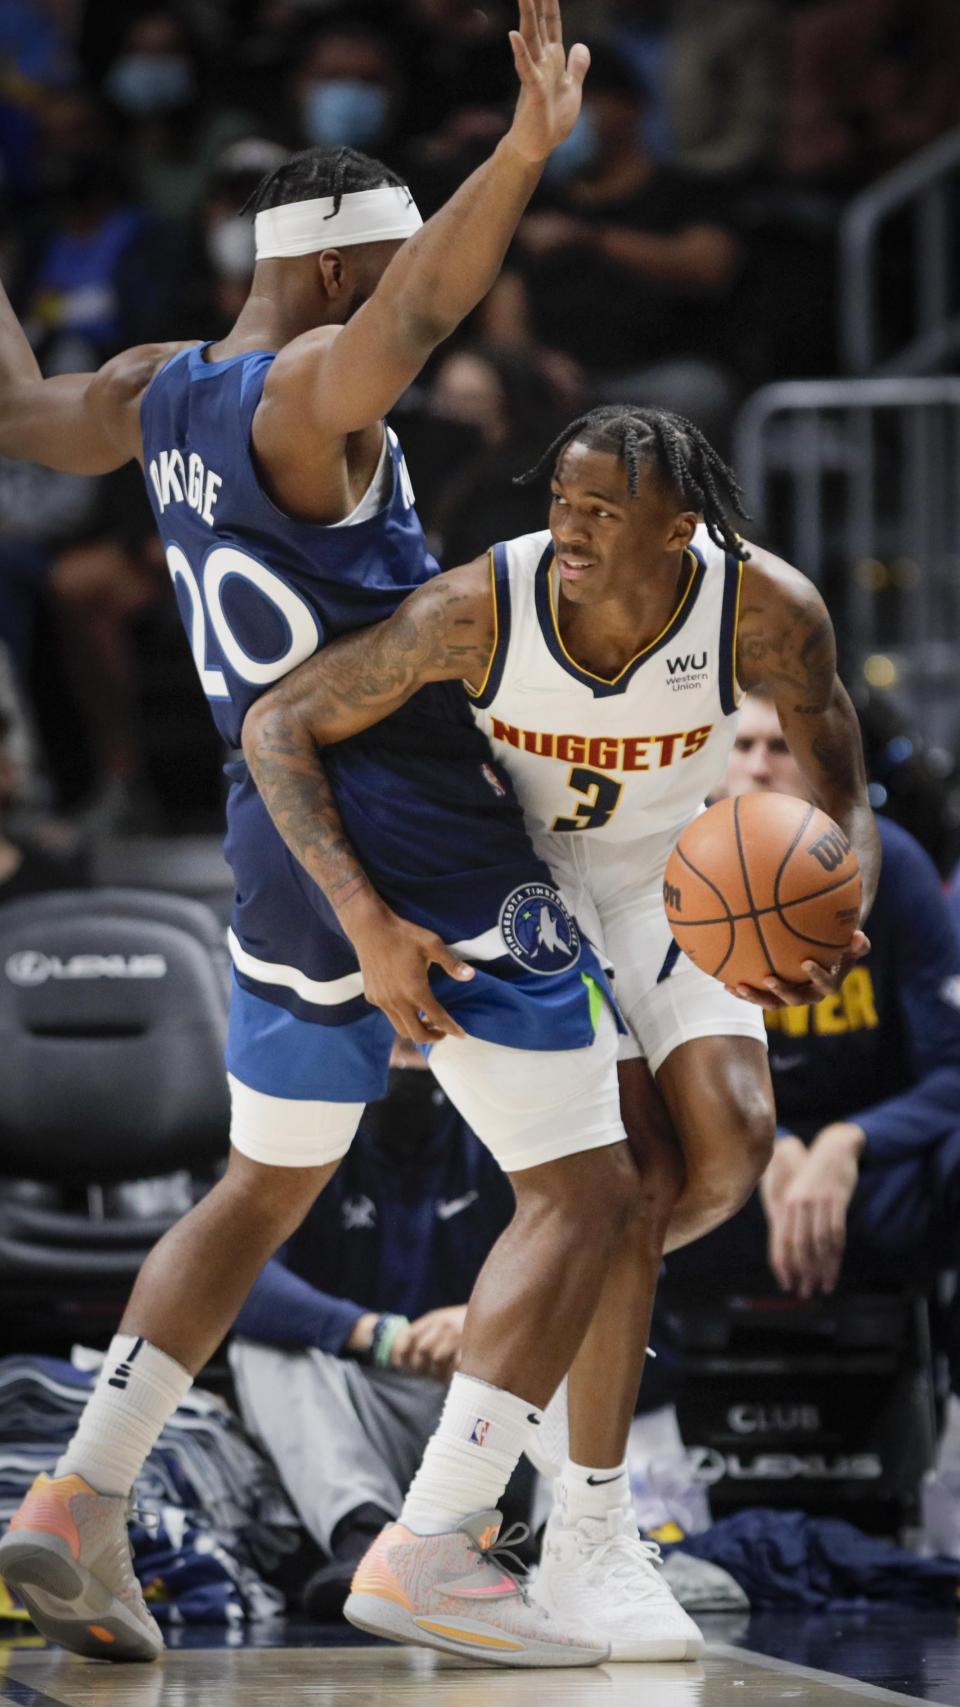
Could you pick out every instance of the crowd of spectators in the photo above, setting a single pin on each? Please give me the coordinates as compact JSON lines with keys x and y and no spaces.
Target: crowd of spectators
{"x":682,"y":246}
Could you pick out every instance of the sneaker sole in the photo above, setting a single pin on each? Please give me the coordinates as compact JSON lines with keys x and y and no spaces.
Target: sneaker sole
{"x":67,"y":1602}
{"x":678,"y":1648}
{"x":627,"y":1649}
{"x":380,"y":1617}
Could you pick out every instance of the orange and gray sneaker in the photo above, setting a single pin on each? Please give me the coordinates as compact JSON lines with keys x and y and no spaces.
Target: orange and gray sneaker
{"x":67,"y":1554}
{"x":452,"y":1592}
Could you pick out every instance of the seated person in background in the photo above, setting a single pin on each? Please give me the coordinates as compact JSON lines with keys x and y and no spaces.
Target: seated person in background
{"x":867,"y":1167}
{"x":29,"y":867}
{"x":865,"y":1176}
{"x":348,"y":1338}
{"x":508,"y":399}
{"x":626,"y":265}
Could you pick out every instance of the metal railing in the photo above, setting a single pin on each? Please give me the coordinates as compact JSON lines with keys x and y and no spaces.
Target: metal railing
{"x":857,"y":482}
{"x":927,"y":189}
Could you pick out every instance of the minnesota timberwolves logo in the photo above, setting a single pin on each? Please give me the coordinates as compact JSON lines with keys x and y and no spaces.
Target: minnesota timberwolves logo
{"x":538,"y":930}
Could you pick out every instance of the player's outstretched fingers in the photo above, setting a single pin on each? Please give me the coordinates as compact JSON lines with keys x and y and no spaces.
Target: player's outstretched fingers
{"x":551,"y":23}
{"x":530,"y":28}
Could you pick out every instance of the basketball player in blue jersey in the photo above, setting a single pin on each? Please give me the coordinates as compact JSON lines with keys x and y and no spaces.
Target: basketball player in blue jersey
{"x":288,"y":520}
{"x":605,"y":659}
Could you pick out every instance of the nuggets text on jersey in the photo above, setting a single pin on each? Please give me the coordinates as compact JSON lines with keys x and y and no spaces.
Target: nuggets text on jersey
{"x":605,"y":752}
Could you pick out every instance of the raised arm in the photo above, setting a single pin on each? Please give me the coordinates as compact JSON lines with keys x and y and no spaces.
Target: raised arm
{"x":341,"y":382}
{"x":442,"y":632}
{"x":786,"y":644}
{"x":81,"y":423}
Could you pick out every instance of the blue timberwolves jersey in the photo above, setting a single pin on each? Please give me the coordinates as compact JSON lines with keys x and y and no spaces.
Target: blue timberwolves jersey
{"x":434,"y":821}
{"x":259,"y":592}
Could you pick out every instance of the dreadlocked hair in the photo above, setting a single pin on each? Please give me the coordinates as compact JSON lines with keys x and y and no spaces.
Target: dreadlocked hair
{"x":683,"y":456}
{"x":322,"y":171}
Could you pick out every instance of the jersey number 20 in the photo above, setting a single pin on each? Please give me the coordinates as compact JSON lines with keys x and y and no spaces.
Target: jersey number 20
{"x":602,"y":797}
{"x":206,"y":605}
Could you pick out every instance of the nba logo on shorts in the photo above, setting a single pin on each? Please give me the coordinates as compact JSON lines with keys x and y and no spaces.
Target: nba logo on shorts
{"x":481,"y":1429}
{"x":538,"y":931}
{"x":490,"y":776}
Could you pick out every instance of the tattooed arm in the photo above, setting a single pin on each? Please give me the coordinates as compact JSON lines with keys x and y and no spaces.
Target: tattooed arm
{"x":786,"y":645}
{"x":442,"y":632}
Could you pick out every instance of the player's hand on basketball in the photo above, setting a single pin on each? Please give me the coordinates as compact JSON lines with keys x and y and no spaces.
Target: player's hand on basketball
{"x":806,"y":1195}
{"x":821,"y":980}
{"x":551,"y":85}
{"x":395,"y":958}
{"x":431,"y":1345}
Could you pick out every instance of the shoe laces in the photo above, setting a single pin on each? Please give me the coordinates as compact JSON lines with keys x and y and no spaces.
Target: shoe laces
{"x":500,"y":1553}
{"x":628,"y":1559}
{"x":145,"y":1515}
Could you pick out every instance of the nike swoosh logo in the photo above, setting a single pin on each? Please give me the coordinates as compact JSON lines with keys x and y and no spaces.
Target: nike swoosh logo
{"x":533,"y":1419}
{"x":786,"y":1063}
{"x":503,"y":1585}
{"x":446,"y":1210}
{"x":601,"y":1481}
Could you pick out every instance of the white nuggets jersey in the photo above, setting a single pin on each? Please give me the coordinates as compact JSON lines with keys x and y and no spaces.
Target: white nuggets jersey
{"x":625,"y":759}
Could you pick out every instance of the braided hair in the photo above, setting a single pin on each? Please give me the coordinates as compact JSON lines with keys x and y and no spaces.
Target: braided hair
{"x":682,"y":455}
{"x":326,"y":170}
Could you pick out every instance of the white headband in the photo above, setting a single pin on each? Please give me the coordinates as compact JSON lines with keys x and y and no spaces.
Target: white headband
{"x":364,"y":216}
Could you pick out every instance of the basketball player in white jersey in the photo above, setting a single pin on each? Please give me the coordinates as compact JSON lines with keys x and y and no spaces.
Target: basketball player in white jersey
{"x":606,"y":657}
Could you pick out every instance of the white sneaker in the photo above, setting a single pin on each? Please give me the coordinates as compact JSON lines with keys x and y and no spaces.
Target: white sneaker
{"x":599,"y":1572}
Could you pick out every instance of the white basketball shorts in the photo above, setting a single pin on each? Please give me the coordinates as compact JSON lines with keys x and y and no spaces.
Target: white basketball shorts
{"x":528,"y":1106}
{"x":616,"y":891}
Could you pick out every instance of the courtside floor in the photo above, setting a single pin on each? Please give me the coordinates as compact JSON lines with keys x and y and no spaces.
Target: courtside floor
{"x":916,"y":1649}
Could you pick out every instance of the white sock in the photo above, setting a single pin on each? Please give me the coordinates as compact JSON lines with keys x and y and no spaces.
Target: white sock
{"x":471,"y":1457}
{"x":137,"y":1390}
{"x":585,"y":1492}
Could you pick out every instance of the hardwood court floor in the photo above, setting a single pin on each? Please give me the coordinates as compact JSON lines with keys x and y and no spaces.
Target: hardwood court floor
{"x":378,"y":1675}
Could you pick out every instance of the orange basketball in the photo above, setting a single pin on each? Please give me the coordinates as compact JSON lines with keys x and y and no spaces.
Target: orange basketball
{"x":760,"y":884}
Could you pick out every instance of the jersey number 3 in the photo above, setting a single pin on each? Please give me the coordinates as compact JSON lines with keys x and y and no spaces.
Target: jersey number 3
{"x":602,"y":797}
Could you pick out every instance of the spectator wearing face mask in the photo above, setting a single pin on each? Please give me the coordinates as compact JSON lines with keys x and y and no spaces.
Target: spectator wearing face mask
{"x":712,"y":72}
{"x":624,"y":264}
{"x":219,"y":251}
{"x":345,"y":87}
{"x":176,"y":124}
